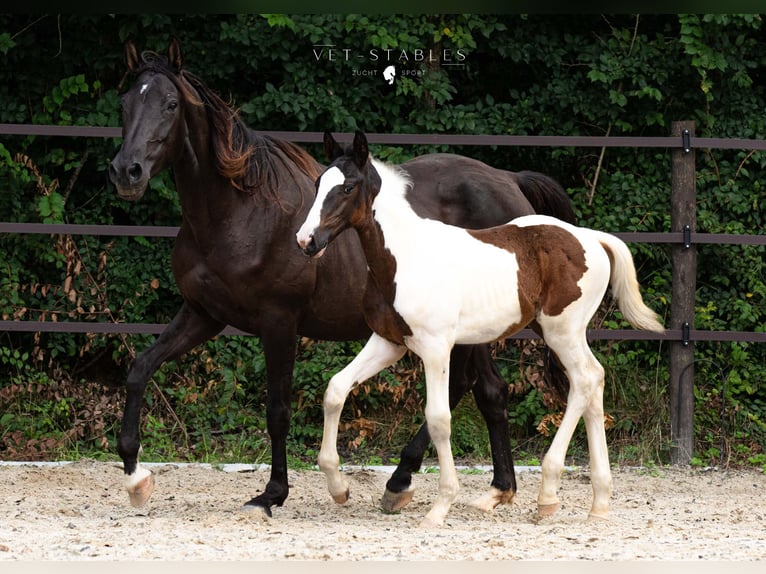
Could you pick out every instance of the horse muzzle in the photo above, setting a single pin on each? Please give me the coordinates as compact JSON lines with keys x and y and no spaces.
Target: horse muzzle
{"x":311,"y":247}
{"x":129,"y":180}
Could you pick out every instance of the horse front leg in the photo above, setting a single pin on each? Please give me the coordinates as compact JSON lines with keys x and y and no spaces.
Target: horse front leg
{"x":187,"y":330}
{"x":399,"y":491}
{"x":279,"y":347}
{"x":376,"y":355}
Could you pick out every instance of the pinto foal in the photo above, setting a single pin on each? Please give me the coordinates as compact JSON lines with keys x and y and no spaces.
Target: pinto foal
{"x":431,"y":286}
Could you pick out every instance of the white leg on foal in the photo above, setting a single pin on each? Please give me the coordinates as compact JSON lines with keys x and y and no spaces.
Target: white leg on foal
{"x":600,"y":472}
{"x":553,"y":462}
{"x":438,"y":419}
{"x":586,"y":376}
{"x":376,"y":355}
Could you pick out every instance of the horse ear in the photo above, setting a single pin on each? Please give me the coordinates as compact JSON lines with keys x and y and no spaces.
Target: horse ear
{"x":332,"y":150}
{"x":174,"y":54}
{"x":131,"y":56}
{"x":361,"y":150}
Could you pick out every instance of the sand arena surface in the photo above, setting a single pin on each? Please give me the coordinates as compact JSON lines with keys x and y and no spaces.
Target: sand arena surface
{"x":80,"y":512}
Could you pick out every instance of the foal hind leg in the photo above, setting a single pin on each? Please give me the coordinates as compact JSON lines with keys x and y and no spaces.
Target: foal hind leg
{"x":586,"y":378}
{"x":377,"y":354}
{"x":399,"y":491}
{"x":187,"y":330}
{"x":491,"y":394}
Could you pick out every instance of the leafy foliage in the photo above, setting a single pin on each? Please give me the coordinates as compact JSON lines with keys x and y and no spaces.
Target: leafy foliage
{"x":515,"y":74}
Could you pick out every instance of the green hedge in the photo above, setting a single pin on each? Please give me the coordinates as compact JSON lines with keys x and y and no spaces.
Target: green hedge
{"x":569,"y":74}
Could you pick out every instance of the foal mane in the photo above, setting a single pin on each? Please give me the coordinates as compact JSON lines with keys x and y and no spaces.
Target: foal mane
{"x":393,"y":176}
{"x":251,"y":162}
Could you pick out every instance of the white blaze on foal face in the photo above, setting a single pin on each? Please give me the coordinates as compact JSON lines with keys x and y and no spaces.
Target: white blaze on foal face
{"x":329,"y":180}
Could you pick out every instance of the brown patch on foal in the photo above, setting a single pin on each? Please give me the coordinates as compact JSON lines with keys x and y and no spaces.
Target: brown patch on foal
{"x":380,"y":292}
{"x":551,"y":262}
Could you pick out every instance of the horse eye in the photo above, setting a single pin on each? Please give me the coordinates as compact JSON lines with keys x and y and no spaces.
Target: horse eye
{"x":348,"y":189}
{"x":172,"y":105}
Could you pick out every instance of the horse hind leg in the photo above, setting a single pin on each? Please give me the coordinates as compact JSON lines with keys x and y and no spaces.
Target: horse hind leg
{"x":399,"y":491}
{"x":586,"y":376}
{"x":377,"y":354}
{"x":491,"y":394}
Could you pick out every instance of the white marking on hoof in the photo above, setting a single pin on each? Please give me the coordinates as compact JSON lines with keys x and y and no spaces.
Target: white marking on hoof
{"x":255,"y":512}
{"x":395,"y":501}
{"x":140,"y":486}
{"x":488,"y":501}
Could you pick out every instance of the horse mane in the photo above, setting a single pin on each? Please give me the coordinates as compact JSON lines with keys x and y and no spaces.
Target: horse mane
{"x":248,"y":160}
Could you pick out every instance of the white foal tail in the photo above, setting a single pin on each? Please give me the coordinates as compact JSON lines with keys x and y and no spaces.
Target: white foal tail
{"x":625,"y":285}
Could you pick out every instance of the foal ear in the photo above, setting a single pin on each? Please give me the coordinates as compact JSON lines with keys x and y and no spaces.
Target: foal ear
{"x":131,"y":56}
{"x":174,"y":54}
{"x":361,"y":150}
{"x":332,"y":150}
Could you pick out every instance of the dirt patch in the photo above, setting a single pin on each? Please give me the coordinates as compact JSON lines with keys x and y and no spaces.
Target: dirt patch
{"x":80,"y":512}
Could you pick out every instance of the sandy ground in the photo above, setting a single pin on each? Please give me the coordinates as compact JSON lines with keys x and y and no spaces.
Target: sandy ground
{"x":79,"y":512}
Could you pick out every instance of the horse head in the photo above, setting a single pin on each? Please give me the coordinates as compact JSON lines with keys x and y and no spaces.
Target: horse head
{"x":345,"y":191}
{"x":152,"y":119}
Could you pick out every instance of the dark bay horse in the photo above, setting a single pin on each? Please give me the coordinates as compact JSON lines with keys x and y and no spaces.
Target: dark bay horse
{"x":243,"y":196}
{"x":431,"y":285}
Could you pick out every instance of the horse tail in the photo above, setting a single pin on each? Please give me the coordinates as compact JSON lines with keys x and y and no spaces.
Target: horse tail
{"x":625,"y":285}
{"x":546,"y":195}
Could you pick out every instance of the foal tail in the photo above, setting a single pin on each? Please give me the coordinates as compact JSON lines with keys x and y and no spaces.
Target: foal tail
{"x":625,"y":285}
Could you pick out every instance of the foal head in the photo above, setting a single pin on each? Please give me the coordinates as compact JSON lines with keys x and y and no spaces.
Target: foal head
{"x":345,"y":192}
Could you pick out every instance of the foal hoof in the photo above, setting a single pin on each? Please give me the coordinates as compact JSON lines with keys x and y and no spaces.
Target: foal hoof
{"x":545,"y":510}
{"x":341,"y":498}
{"x":140,"y":492}
{"x":395,"y":501}
{"x":429,"y":523}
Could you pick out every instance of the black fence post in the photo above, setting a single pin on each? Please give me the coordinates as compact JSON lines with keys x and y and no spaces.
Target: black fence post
{"x":683,"y":208}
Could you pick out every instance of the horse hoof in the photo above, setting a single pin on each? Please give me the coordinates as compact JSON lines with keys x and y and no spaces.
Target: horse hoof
{"x":598,"y":517}
{"x":429,"y":523}
{"x":341,"y":498}
{"x":257,"y":511}
{"x":395,"y":501}
{"x":489,"y":501}
{"x":141,"y":491}
{"x":545,"y":510}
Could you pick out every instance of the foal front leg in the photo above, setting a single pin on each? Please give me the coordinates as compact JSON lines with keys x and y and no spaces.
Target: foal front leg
{"x":376,"y":355}
{"x":438,"y":419}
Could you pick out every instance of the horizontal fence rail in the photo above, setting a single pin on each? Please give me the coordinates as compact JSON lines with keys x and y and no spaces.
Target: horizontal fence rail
{"x":435,"y":139}
{"x":685,"y":142}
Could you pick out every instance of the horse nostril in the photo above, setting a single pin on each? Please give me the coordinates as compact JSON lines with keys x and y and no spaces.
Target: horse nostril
{"x":135,"y":172}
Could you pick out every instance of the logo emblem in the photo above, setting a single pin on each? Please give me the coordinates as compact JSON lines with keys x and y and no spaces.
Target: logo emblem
{"x":389,"y":74}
